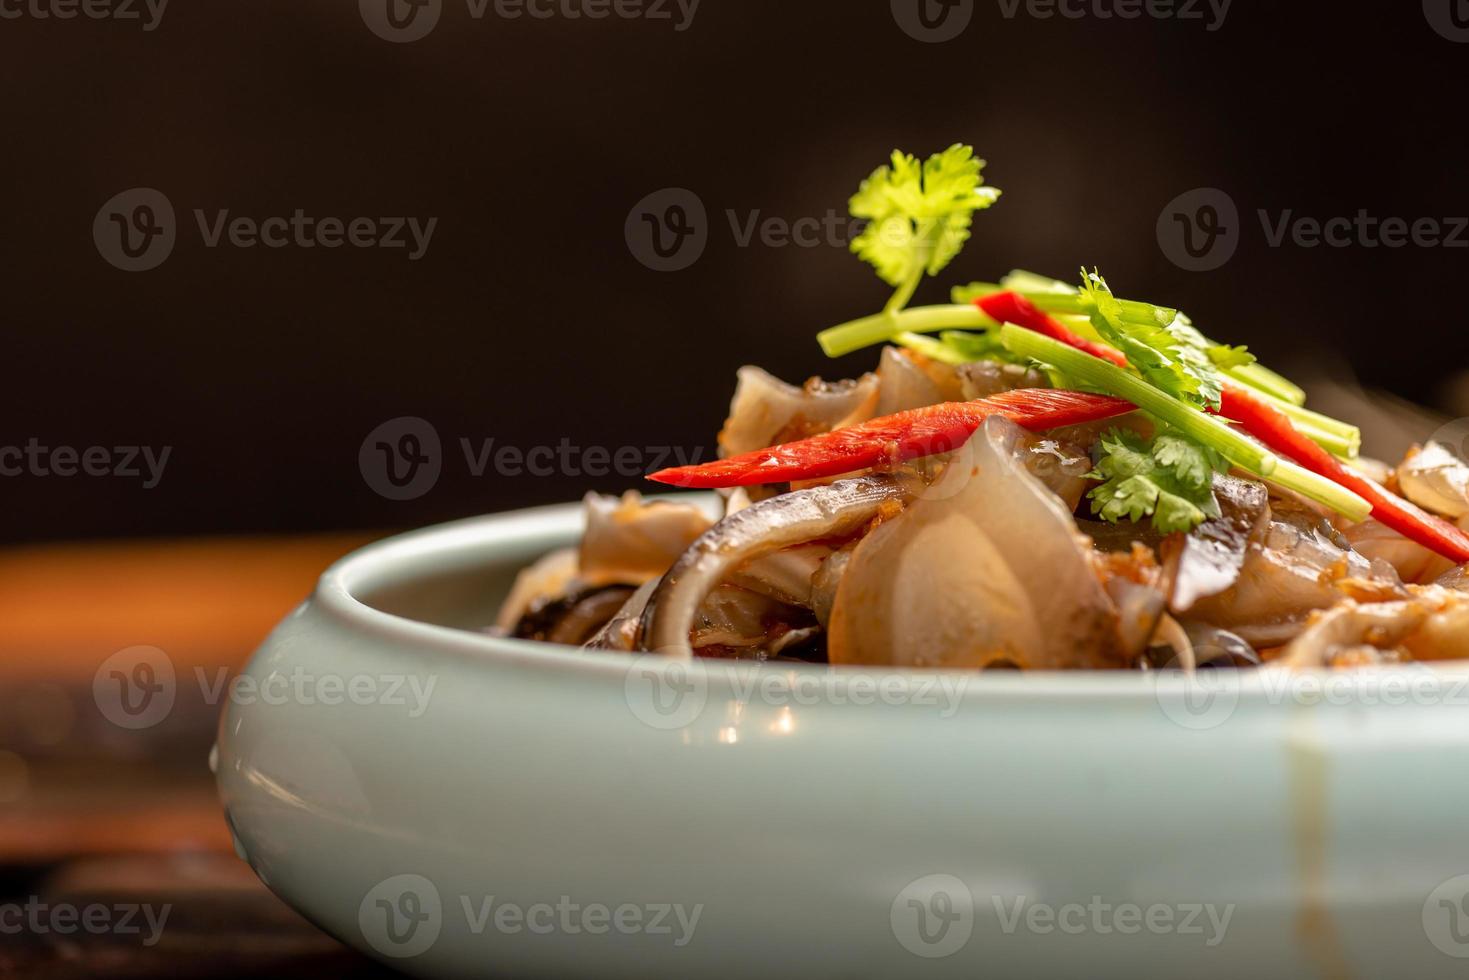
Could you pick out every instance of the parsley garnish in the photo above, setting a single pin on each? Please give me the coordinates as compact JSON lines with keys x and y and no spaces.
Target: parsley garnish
{"x":919,"y":215}
{"x":1170,"y":479}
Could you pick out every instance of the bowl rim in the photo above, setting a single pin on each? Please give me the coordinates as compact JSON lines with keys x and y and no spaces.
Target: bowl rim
{"x":336,"y":595}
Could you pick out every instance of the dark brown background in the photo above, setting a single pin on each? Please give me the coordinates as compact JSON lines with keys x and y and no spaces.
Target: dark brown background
{"x":529,"y":320}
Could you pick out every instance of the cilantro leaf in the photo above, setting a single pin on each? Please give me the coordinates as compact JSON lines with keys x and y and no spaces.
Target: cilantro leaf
{"x":1226,"y":357}
{"x":1163,"y":347}
{"x":1169,"y":479}
{"x":919,"y":215}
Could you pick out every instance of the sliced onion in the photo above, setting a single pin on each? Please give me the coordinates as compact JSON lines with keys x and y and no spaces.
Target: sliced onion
{"x":931,"y":589}
{"x":986,"y":568}
{"x":781,"y":522}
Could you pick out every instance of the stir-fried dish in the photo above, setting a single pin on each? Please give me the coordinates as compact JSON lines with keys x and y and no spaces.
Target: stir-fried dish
{"x":1036,"y":476}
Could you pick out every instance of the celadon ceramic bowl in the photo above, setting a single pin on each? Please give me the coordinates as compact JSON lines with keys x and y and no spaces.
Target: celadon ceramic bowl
{"x":459,"y":805}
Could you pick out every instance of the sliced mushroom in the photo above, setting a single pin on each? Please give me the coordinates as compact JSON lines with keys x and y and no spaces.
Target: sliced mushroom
{"x":827,"y":580}
{"x":1297,"y":564}
{"x":1458,"y":579}
{"x":629,"y":540}
{"x":737,"y":622}
{"x":1208,"y":560}
{"x":985,"y":378}
{"x":985,"y":569}
{"x":905,"y":384}
{"x":574,"y":619}
{"x":1174,"y":640}
{"x":833,"y":511}
{"x":1436,"y":479}
{"x":1414,"y":563}
{"x":621,"y":631}
{"x":1134,"y":581}
{"x":785,"y":575}
{"x":1062,"y":466}
{"x":766,"y":410}
{"x":1220,"y":648}
{"x":1432,"y":624}
{"x":547,"y":580}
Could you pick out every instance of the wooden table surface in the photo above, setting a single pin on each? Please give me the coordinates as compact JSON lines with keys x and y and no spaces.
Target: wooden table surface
{"x":95,"y":819}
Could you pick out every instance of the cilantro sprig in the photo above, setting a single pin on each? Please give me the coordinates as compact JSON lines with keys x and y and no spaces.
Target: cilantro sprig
{"x":919,"y":215}
{"x":1169,"y":479}
{"x":1171,"y":354}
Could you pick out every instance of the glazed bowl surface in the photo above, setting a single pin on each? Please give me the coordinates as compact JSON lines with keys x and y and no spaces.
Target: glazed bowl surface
{"x":461,"y":805}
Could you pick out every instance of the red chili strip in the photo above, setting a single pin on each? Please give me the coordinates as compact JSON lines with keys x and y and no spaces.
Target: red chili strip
{"x":893,"y":439}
